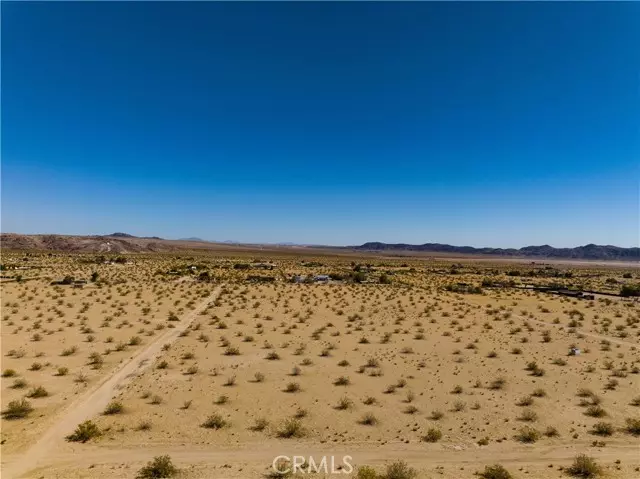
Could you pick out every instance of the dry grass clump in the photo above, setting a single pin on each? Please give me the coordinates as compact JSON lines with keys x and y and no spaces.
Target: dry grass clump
{"x":368,"y":420}
{"x":38,"y":392}
{"x":291,"y":428}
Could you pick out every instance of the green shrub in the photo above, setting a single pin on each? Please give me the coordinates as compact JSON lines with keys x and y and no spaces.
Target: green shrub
{"x":114,"y":407}
{"x":528,"y":435}
{"x":366,"y":472}
{"x":496,"y":471}
{"x":84,"y":432}
{"x":160,"y":467}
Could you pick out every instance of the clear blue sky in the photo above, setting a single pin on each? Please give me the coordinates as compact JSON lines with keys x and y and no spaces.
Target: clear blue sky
{"x":483,"y":124}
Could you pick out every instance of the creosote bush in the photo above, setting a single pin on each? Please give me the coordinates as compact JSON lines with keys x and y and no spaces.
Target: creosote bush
{"x":84,"y":432}
{"x":496,"y":471}
{"x":17,"y":409}
{"x":584,"y":466}
{"x":160,"y":467}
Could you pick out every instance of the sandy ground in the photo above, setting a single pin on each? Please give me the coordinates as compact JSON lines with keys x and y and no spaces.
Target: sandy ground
{"x":409,"y":355}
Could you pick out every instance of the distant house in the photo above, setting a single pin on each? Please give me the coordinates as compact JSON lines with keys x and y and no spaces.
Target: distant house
{"x":321,"y":278}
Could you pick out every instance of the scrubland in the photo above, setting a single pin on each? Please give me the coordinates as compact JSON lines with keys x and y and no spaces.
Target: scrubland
{"x":439,"y":365}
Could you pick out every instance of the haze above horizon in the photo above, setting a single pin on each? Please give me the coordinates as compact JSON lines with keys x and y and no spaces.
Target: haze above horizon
{"x":481,"y":124}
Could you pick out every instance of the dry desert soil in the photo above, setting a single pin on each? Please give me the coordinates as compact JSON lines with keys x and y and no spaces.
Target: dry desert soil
{"x":413,"y":367}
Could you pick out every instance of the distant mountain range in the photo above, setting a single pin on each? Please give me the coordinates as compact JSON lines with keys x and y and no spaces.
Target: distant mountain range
{"x":126,"y":243}
{"x":590,"y":251}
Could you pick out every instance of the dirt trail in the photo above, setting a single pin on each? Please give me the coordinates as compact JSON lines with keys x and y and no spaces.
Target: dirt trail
{"x":95,"y":400}
{"x":258,"y":456}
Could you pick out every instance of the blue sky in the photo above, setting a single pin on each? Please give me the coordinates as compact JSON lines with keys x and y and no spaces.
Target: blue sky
{"x":483,"y":124}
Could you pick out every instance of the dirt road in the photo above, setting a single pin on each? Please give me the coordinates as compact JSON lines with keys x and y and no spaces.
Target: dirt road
{"x":252,"y":460}
{"x":95,"y":400}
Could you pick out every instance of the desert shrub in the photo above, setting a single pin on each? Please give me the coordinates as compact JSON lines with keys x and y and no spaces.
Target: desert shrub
{"x":292,"y":388}
{"x":84,"y":432}
{"x":633,"y":426}
{"x":495,"y":471}
{"x":497,"y":384}
{"x":399,"y":470}
{"x":17,"y":409}
{"x":528,"y":415}
{"x":602,"y":429}
{"x":368,"y":420}
{"x":9,"y":373}
{"x":432,"y":435}
{"x":527,"y":435}
{"x":38,"y":392}
{"x":551,"y":432}
{"x":436,"y":415}
{"x":344,"y":403}
{"x":144,"y":425}
{"x":342,"y":381}
{"x":215,"y":421}
{"x":258,"y":377}
{"x":584,"y":466}
{"x":539,"y":393}
{"x":595,"y":411}
{"x":291,"y":428}
{"x":260,"y":424}
{"x":62,"y":371}
{"x":366,"y":472}
{"x":525,"y":401}
{"x":160,"y":467}
{"x":19,"y":384}
{"x":114,"y":407}
{"x":272,"y":356}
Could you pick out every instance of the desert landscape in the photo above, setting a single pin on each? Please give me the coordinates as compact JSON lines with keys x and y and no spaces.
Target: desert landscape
{"x":216,"y":362}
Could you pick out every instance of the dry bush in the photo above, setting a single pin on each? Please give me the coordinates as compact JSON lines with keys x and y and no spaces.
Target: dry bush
{"x":432,"y":435}
{"x":17,"y":409}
